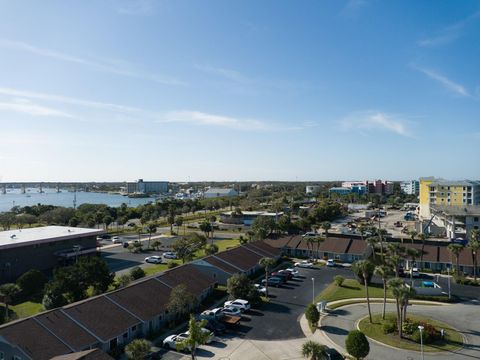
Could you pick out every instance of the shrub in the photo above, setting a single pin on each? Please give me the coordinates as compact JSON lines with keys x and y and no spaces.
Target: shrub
{"x":32,"y":282}
{"x":389,"y":326}
{"x":171,"y":264}
{"x":137,"y":273}
{"x":339,"y":279}
{"x":312,"y":314}
{"x":357,"y":344}
{"x":409,"y":327}
{"x":430,"y":334}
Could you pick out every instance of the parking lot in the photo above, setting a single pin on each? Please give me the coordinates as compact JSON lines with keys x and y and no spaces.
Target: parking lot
{"x":276,"y":321}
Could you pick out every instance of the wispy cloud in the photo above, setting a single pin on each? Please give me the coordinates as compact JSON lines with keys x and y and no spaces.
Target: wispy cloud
{"x":448,"y":84}
{"x":104,"y":66}
{"x":376,"y":121}
{"x":206,"y":119}
{"x":228,"y":74}
{"x":25,"y":107}
{"x":449,"y":33}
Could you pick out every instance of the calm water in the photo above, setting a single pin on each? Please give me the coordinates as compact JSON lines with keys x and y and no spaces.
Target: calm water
{"x":64,"y":198}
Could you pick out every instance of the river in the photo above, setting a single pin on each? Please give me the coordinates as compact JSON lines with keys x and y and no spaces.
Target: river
{"x":14,"y":197}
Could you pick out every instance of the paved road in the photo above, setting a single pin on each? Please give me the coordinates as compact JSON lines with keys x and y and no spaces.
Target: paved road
{"x":463,"y":317}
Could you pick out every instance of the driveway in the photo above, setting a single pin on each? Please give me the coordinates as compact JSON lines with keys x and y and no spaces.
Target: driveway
{"x":463,"y":317}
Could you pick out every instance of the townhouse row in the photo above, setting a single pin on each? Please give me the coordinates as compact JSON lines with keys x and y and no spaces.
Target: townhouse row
{"x":115,"y":318}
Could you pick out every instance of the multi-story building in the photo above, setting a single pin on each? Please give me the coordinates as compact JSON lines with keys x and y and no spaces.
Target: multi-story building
{"x":147,"y":187}
{"x":447,"y":193}
{"x":411,"y":187}
{"x":380,"y":187}
{"x":312,"y":189}
{"x":220,"y":192}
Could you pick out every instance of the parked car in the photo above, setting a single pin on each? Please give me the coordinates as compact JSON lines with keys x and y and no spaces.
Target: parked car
{"x":218,"y":315}
{"x":273,"y":281}
{"x":261,"y":289}
{"x":117,"y":240}
{"x":415,"y":273}
{"x":169,"y":255}
{"x":331,"y":263}
{"x":215,"y":326}
{"x":293,"y":272}
{"x":401,"y":271}
{"x":240,"y":304}
{"x":280,"y":275}
{"x":171,"y":341}
{"x":287,"y":273}
{"x":103,"y":237}
{"x":154,"y":259}
{"x":303,"y":264}
{"x":228,"y":310}
{"x":125,"y":244}
{"x":210,"y":337}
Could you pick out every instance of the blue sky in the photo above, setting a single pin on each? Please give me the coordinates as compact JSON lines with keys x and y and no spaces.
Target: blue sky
{"x":239,"y":90}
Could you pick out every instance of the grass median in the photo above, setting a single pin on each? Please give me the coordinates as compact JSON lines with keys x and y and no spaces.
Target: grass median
{"x":350,"y":289}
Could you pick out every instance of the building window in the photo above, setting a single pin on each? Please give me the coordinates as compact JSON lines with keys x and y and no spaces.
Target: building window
{"x":125,"y":336}
{"x":475,"y":219}
{"x":2,"y":355}
{"x":134,"y":328}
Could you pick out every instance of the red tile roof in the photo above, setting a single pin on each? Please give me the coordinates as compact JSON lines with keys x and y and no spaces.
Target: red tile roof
{"x":33,"y":339}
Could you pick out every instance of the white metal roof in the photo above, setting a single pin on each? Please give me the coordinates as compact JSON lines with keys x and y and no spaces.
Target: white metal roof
{"x":45,"y":234}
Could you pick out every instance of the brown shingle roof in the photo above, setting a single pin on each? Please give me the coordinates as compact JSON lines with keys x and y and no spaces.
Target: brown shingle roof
{"x":240,"y":257}
{"x":280,"y":242}
{"x":102,"y":317}
{"x":273,"y":252}
{"x":335,"y":245}
{"x":221,"y":265}
{"x":33,"y":339}
{"x":94,"y":354}
{"x":145,"y":299}
{"x":66,"y":329}
{"x":195,"y":281}
{"x":256,"y":250}
{"x":357,"y":247}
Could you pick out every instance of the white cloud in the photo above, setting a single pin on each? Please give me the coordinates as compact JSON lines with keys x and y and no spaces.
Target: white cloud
{"x":445,"y":82}
{"x":229,"y":74}
{"x":31,"y":109}
{"x":206,"y":119}
{"x":376,"y":121}
{"x":449,"y":33}
{"x":111,"y":66}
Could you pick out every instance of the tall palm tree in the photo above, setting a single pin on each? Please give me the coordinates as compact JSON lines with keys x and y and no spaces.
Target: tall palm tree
{"x":395,"y":285}
{"x":325,"y":227}
{"x":8,"y":291}
{"x":423,"y":237}
{"x":372,"y":241}
{"x":151,"y":228}
{"x":474,"y":246}
{"x":314,"y":350}
{"x":310,"y":242}
{"x":406,"y":293}
{"x":456,"y":249}
{"x":383,"y":272}
{"x":413,"y":254}
{"x":318,"y":240}
{"x":413,"y":234}
{"x":366,"y":268}
{"x":267,"y":263}
{"x":362,"y":229}
{"x":381,"y":235}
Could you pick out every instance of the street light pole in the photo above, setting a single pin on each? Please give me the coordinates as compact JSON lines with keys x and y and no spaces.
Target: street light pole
{"x":313,"y":290}
{"x":420,"y":327}
{"x":448,"y":273}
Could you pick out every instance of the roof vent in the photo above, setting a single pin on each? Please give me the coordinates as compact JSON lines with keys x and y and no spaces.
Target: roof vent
{"x":13,"y":236}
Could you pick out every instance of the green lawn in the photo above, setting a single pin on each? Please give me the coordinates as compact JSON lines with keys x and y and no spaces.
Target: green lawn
{"x":27,"y":308}
{"x":350,"y":289}
{"x":227,"y":243}
{"x":453,"y":339}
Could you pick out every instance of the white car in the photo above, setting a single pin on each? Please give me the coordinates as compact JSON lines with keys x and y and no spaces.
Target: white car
{"x":242,"y":305}
{"x":415,"y":272}
{"x":171,"y":341}
{"x":303,"y":264}
{"x":154,"y":259}
{"x":231,"y":311}
{"x":261,"y":289}
{"x":331,"y":263}
{"x":206,"y":331}
{"x":293,"y":271}
{"x":169,"y":255}
{"x":117,"y":240}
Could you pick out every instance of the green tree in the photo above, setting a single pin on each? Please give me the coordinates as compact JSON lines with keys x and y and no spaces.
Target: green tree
{"x":372,"y":241}
{"x":239,"y":286}
{"x":312,"y":314}
{"x":456,"y":249}
{"x":357,"y":344}
{"x":413,"y":234}
{"x":123,"y":280}
{"x":263,"y":226}
{"x":267,"y":263}
{"x":107,"y":220}
{"x":137,"y":273}
{"x":8,"y":292}
{"x":171,"y":216}
{"x":474,"y":246}
{"x":196,"y":336}
{"x":53,"y":296}
{"x":206,"y":227}
{"x":181,"y":301}
{"x":383,"y":272}
{"x":326,"y":226}
{"x":314,"y":351}
{"x":151,"y":228}
{"x":366,"y":268}
{"x":339,"y":279}
{"x":211,"y":249}
{"x":396,"y":286}
{"x":138,"y":349}
{"x":95,"y":273}
{"x":156,"y":244}
{"x":32,"y":282}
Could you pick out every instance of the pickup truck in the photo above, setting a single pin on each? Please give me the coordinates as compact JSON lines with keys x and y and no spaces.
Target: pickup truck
{"x":217,"y":314}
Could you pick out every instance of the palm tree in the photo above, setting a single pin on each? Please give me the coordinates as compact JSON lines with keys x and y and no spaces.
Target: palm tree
{"x":474,"y":246}
{"x":456,"y":249}
{"x":395,"y":285}
{"x":366,"y":268}
{"x":195,"y":337}
{"x":406,"y":293}
{"x":381,"y":234}
{"x":151,"y":228}
{"x":413,"y":254}
{"x":318,"y":240}
{"x":383,"y":272}
{"x":412,"y":235}
{"x":314,"y":350}
{"x":372,"y":241}
{"x":266,"y":263}
{"x":423,"y":237}
{"x":310,"y":241}
{"x":8,"y":291}
{"x":325,"y":227}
